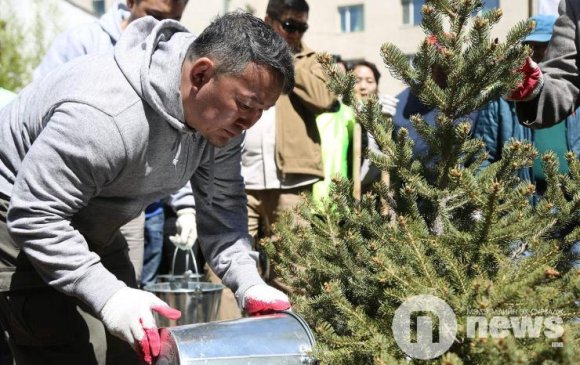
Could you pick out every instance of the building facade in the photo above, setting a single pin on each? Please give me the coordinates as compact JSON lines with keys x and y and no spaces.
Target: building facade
{"x":353,"y":29}
{"x":356,"y":29}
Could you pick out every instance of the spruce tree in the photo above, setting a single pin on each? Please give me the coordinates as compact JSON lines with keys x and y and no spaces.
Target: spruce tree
{"x":443,"y":226}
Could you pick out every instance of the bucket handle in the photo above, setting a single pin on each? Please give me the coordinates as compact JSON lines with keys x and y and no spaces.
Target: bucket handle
{"x":187,"y":271}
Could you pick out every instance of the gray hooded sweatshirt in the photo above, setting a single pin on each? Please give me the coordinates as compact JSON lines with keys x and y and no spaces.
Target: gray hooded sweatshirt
{"x":88,"y":147}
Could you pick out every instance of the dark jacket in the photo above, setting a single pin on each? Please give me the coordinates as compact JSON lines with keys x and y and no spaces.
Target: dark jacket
{"x":560,"y":96}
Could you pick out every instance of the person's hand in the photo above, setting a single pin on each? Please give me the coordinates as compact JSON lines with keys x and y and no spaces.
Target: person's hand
{"x":186,"y":229}
{"x":389,"y":104}
{"x":128,"y":316}
{"x":264,"y":299}
{"x":532,"y":82}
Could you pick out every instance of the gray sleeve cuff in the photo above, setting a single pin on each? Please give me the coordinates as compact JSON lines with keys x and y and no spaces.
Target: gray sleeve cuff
{"x":183,"y":198}
{"x":96,"y":287}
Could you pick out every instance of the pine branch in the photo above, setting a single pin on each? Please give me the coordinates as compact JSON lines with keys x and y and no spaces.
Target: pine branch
{"x":339,"y":83}
{"x":468,"y":235}
{"x":396,"y":62}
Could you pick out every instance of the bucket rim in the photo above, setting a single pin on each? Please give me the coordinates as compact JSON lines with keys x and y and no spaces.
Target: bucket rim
{"x":164,"y":287}
{"x":180,"y":276}
{"x":303,"y":324}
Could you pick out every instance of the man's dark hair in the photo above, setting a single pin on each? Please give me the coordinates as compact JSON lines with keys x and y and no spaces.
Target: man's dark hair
{"x":237,"y":39}
{"x":370,"y":65}
{"x":276,"y":8}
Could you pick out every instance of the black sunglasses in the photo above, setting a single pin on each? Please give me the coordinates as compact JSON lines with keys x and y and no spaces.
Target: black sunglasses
{"x":292,"y":26}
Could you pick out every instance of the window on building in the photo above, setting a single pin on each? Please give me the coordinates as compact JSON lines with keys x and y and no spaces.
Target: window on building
{"x":412,"y":11}
{"x":490,"y":4}
{"x":352,"y":18}
{"x":99,"y":7}
{"x":487,"y":6}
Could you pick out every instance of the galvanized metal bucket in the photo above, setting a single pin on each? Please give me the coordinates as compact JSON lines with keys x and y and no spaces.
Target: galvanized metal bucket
{"x":198,"y":301}
{"x":166,"y":278}
{"x":277,"y":339}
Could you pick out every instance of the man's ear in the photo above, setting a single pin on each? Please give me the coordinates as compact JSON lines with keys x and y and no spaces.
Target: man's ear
{"x":202,"y":70}
{"x":130,"y":3}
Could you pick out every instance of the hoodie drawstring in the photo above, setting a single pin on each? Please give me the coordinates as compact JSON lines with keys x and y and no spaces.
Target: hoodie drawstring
{"x":211,"y":187}
{"x":176,"y":158}
{"x":211,"y":182}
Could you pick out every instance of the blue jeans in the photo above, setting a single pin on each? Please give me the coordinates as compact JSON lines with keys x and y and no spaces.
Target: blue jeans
{"x":153,"y":248}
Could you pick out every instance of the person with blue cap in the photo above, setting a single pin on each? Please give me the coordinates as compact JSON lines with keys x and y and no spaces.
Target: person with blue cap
{"x":498,"y":121}
{"x":550,"y":92}
{"x":539,"y":38}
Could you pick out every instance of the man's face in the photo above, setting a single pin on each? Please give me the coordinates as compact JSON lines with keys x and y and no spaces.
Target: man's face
{"x":291,"y":26}
{"x":222,"y":107}
{"x":159,"y":9}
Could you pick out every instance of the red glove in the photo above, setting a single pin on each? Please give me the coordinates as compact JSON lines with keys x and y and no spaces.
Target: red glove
{"x":531,"y":85}
{"x":128,"y":315}
{"x":264,"y":299}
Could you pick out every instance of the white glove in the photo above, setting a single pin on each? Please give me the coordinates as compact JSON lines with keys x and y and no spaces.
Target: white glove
{"x":127,"y":315}
{"x":186,"y":229}
{"x":263,"y":299}
{"x":389,"y":104}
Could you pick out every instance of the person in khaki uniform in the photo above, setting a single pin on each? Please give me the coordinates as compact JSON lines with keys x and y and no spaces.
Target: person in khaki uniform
{"x":282,"y":156}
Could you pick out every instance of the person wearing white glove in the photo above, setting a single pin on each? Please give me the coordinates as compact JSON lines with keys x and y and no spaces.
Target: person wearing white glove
{"x":128,"y":315}
{"x":92,"y":162}
{"x":263,"y":299}
{"x":186,"y":226}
